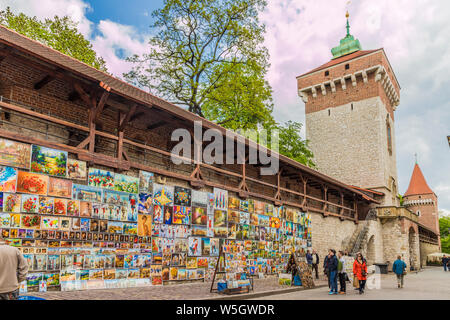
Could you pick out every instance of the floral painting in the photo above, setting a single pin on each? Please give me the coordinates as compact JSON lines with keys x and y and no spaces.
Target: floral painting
{"x":33,"y":183}
{"x":162,"y":195}
{"x":76,"y":169}
{"x":46,"y":205}
{"x":60,"y":188}
{"x":30,"y":203}
{"x":101,"y":178}
{"x":30,"y":221}
{"x":60,"y":207}
{"x":86,"y":193}
{"x":126,"y":183}
{"x":146,"y":182}
{"x":11,"y":202}
{"x":8,"y":178}
{"x":73,"y":208}
{"x":15,"y":154}
{"x":49,"y":161}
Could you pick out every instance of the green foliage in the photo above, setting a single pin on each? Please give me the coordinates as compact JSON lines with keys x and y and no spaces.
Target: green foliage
{"x":444,"y":225}
{"x":400,"y":197}
{"x":58,"y":33}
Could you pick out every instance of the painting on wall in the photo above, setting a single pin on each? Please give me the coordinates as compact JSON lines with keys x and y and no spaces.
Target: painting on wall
{"x":11,"y":202}
{"x":46,"y":205}
{"x":30,"y":203}
{"x":86,"y":193}
{"x":115,"y":197}
{"x":8,"y":178}
{"x":49,"y":161}
{"x":220,"y":199}
{"x":182,"y":196}
{"x":199,"y":198}
{"x":33,"y":183}
{"x":60,"y":188}
{"x":146,"y":182}
{"x":162,"y":195}
{"x":126,"y":183}
{"x":144,"y":225}
{"x":76,"y":169}
{"x":145,"y":203}
{"x":199,"y":216}
{"x":101,"y":178}
{"x":15,"y":154}
{"x":181,"y":215}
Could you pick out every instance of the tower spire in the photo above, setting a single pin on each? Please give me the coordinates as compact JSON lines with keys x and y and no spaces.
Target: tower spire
{"x":347,"y":15}
{"x":348,"y":44}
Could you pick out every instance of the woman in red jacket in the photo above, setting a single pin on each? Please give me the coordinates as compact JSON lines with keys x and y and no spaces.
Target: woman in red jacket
{"x":360,"y":271}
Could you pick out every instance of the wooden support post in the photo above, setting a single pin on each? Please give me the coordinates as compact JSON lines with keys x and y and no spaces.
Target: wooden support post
{"x":278,"y":201}
{"x":325,"y":198}
{"x":304,"y":203}
{"x":243,"y":188}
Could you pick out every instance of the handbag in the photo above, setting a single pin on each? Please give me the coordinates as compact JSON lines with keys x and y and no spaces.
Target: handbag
{"x":355,"y":282}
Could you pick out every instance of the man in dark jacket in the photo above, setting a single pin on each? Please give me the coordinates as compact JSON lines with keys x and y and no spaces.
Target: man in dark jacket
{"x":315,"y":263}
{"x":326,"y":271}
{"x":445,"y":262}
{"x":332,"y":268}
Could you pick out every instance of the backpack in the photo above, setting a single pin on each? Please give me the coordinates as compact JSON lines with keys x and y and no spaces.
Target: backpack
{"x":340,"y":265}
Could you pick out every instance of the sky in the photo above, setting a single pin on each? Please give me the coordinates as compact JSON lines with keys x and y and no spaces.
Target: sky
{"x":299,"y":37}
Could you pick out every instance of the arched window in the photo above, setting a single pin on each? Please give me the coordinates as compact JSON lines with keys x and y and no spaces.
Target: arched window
{"x":418,"y":213}
{"x":389,"y":135}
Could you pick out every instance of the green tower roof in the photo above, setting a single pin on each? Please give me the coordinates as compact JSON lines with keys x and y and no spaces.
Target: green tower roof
{"x":347,"y":45}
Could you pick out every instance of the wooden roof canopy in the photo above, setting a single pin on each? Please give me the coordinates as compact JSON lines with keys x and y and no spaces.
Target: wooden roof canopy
{"x":126,"y":97}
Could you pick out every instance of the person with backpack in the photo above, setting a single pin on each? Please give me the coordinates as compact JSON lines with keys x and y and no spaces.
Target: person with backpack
{"x":399,"y":268}
{"x":360,"y":271}
{"x":341,"y":273}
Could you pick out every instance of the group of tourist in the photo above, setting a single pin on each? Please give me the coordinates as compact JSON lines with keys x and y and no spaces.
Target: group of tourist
{"x":446,"y":262}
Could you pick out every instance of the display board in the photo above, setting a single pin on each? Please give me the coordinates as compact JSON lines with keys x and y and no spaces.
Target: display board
{"x":87,"y":228}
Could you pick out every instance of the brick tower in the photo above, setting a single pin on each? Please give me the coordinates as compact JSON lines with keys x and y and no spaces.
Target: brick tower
{"x":349,"y":104}
{"x":420,"y":199}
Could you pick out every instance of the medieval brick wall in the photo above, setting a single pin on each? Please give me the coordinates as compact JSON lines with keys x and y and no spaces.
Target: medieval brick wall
{"x":426,"y":206}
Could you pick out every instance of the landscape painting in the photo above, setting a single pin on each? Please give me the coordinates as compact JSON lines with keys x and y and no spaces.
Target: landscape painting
{"x":76,"y":169}
{"x":15,"y":154}
{"x":49,"y":161}
{"x":86,"y":193}
{"x":101,"y":178}
{"x":126,"y":183}
{"x":33,"y":183}
{"x":8,"y":177}
{"x":60,"y":188}
{"x":146,"y":182}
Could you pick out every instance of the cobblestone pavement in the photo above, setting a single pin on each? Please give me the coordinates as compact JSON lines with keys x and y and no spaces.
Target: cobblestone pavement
{"x":432,"y":283}
{"x":192,"y":291}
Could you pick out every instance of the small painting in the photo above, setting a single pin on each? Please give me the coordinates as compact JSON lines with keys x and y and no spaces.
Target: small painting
{"x":199,"y":216}
{"x":181,"y":215}
{"x":195,"y":246}
{"x":76,"y":169}
{"x":85,"y":209}
{"x":33,"y":183}
{"x":86,"y":193}
{"x":144,"y":225}
{"x":145,"y":203}
{"x":126,"y":183}
{"x":8,"y":179}
{"x":46,"y":205}
{"x":15,"y":154}
{"x":73,"y":208}
{"x":115,"y":197}
{"x":60,"y":207}
{"x":101,"y":178}
{"x":199,"y":198}
{"x":182,"y":196}
{"x":158,"y":214}
{"x":30,"y":203}
{"x":59,"y":188}
{"x":162,"y":195}
{"x":146,"y":182}
{"x":220,"y":199}
{"x":49,"y":161}
{"x":220,"y":218}
{"x":30,"y":221}
{"x":11,"y":202}
{"x":49,"y":223}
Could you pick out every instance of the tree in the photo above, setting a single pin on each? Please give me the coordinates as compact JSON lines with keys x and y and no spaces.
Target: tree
{"x":58,"y":33}
{"x":292,"y":145}
{"x":201,"y":46}
{"x":444,"y":228}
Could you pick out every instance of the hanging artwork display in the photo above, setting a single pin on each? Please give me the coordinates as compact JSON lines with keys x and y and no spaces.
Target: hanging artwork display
{"x":182,"y":196}
{"x":101,"y":178}
{"x":60,"y":188}
{"x":11,"y":202}
{"x":199,"y":198}
{"x":76,"y":169}
{"x":126,"y":183}
{"x":145,"y":203}
{"x":199,"y":216}
{"x":86,"y":193}
{"x":30,"y":203}
{"x":146,"y":182}
{"x":220,"y":199}
{"x":15,"y":154}
{"x":33,"y":183}
{"x":8,"y":179}
{"x":48,"y":161}
{"x":181,"y":215}
{"x":163,"y":195}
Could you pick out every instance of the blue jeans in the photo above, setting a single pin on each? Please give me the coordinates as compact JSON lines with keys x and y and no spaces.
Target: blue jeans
{"x":333,"y":281}
{"x":445,"y":267}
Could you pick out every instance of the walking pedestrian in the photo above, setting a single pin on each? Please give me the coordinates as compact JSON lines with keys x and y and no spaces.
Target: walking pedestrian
{"x":13,"y":270}
{"x":309,"y":258}
{"x":360,"y":271}
{"x":341,"y":273}
{"x":315,"y":263}
{"x":326,"y":271}
{"x":399,"y":268}
{"x":445,"y":262}
{"x":332,"y":269}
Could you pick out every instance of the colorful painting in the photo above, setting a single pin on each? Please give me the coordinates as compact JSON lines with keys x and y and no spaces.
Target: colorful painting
{"x":182,"y":196}
{"x":181,"y":215}
{"x":60,"y":188}
{"x":220,"y":218}
{"x":101,"y":178}
{"x":115,"y":197}
{"x":49,"y":161}
{"x":86,"y":193}
{"x":73,"y":208}
{"x":33,"y":183}
{"x":85,"y":209}
{"x":220,"y":199}
{"x":146,"y":182}
{"x":5,"y":219}
{"x":167,"y":216}
{"x":234,"y":203}
{"x":199,"y":216}
{"x":195,"y":247}
{"x":158,"y":214}
{"x":30,"y":221}
{"x":11,"y":202}
{"x":60,"y":207}
{"x":126,"y":183}
{"x":49,"y":223}
{"x":8,"y":179}
{"x":144,"y":225}
{"x":145,"y":203}
{"x":162,"y":195}
{"x":76,"y":169}
{"x":30,"y":203}
{"x":46,"y":205}
{"x":15,"y":154}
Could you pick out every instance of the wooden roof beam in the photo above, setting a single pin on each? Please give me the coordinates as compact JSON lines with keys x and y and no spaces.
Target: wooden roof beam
{"x":47,"y":79}
{"x":127,"y":117}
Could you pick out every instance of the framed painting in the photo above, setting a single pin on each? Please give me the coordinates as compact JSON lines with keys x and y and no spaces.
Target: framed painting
{"x":162,"y":195}
{"x":49,"y":161}
{"x":126,"y":183}
{"x":181,"y":215}
{"x":220,"y":199}
{"x":8,"y":179}
{"x":15,"y":154}
{"x":115,"y":197}
{"x":46,"y":205}
{"x":199,"y":198}
{"x":30,"y":203}
{"x":182,"y":196}
{"x":32,"y":183}
{"x":101,"y":178}
{"x":60,"y":188}
{"x":11,"y":202}
{"x":60,"y":207}
{"x":145,"y":203}
{"x":199,"y":216}
{"x":76,"y":169}
{"x":146,"y":182}
{"x":86,"y":193}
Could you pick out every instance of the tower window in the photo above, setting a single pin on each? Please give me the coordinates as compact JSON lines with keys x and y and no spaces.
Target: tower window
{"x":327,"y":73}
{"x":352,"y":106}
{"x":347,"y":66}
{"x":418,"y":213}
{"x":389,"y":135}
{"x":329,"y":112}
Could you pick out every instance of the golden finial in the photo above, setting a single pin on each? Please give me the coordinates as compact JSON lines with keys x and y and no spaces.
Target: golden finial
{"x":347,"y":15}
